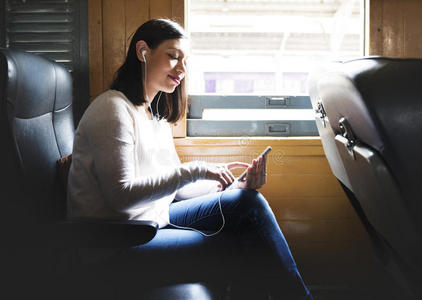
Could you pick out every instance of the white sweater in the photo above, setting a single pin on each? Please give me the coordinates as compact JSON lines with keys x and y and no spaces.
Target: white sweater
{"x":125,"y":166}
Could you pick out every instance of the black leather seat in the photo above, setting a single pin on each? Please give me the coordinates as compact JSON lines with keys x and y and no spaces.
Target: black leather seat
{"x":38,"y":245}
{"x":369,"y":116}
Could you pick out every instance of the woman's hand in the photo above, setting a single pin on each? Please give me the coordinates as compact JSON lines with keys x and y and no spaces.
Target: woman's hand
{"x":256,"y":176}
{"x":222,"y":173}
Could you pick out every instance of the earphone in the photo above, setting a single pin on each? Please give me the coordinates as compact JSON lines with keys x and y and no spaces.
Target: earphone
{"x":158,"y":118}
{"x":203,"y":233}
{"x":157,"y":115}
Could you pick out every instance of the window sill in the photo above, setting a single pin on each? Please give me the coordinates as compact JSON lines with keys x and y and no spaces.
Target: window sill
{"x":247,"y":141}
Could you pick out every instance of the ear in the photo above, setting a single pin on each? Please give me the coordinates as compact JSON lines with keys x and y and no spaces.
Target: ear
{"x":141,"y":46}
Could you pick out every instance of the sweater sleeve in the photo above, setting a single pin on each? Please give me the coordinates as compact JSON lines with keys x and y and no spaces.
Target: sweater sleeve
{"x":196,"y":189}
{"x":112,"y":140}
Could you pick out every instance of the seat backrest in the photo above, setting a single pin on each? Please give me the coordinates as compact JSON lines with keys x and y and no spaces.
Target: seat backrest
{"x":36,"y":130}
{"x":372,"y":111}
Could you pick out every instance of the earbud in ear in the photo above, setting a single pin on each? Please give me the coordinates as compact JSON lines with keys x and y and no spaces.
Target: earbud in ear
{"x":143,"y":54}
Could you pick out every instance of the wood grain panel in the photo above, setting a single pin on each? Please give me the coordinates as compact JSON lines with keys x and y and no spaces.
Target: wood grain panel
{"x":178,"y":11}
{"x":160,"y":9}
{"x":412,"y":28}
{"x":297,"y":146}
{"x":376,"y":27}
{"x":307,"y":185}
{"x":324,"y":230}
{"x":137,"y":13}
{"x":297,"y":208}
{"x":393,"y":21}
{"x":114,"y":38}
{"x":178,"y":15}
{"x":395,"y":28}
{"x":95,"y":29}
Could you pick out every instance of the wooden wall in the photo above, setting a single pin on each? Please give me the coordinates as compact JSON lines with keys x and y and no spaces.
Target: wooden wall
{"x":395,"y":28}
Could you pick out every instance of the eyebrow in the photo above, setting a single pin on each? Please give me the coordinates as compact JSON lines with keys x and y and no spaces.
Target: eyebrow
{"x":179,"y":50}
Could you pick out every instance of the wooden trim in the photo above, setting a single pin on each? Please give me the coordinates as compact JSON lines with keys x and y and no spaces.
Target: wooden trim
{"x":312,"y":144}
{"x":412,"y":29}
{"x":95,"y":31}
{"x":394,"y":28}
{"x":137,"y":13}
{"x":114,"y":34}
{"x":178,"y":15}
{"x":376,"y":27}
{"x":178,"y":11}
{"x":160,"y":9}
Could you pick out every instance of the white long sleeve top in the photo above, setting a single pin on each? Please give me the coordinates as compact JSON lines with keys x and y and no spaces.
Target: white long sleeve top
{"x":125,"y":166}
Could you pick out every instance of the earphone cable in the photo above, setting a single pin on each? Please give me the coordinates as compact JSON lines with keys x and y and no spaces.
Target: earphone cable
{"x":203,"y":233}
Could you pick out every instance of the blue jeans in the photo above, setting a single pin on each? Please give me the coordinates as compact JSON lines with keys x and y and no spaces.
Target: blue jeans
{"x":250,"y":251}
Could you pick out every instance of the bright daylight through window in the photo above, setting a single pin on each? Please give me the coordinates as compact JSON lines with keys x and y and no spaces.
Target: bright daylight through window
{"x":245,"y":48}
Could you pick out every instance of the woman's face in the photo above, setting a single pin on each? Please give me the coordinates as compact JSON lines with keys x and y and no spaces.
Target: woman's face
{"x":166,"y":66}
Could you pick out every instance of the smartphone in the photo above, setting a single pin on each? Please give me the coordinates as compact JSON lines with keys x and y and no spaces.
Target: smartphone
{"x":265,"y":152}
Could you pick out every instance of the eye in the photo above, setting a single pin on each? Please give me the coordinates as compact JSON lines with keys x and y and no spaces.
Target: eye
{"x":173,"y":57}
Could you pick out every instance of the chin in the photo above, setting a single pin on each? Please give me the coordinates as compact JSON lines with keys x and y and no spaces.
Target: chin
{"x":169,"y":90}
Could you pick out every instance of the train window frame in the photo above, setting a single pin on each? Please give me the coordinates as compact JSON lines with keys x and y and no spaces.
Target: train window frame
{"x":197,"y":124}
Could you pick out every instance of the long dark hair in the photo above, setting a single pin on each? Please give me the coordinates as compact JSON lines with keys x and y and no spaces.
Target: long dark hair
{"x":128,"y":79}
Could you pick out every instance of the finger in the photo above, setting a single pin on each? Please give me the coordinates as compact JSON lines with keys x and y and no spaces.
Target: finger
{"x":223,"y":181}
{"x":254,"y":162}
{"x":251,"y":178}
{"x":265,"y":170}
{"x":237,"y":165}
{"x":227,"y":177}
{"x":265,"y":164}
{"x":258,"y":169}
{"x":260,"y":172}
{"x":253,"y":171}
{"x":256,"y":165}
{"x":221,"y":178}
{"x":230,"y":174}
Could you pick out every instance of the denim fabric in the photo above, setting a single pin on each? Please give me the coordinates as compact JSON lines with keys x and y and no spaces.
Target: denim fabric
{"x":250,"y":251}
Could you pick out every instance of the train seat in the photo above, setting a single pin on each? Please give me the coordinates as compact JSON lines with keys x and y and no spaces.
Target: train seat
{"x":369,"y":116}
{"x":39,"y":247}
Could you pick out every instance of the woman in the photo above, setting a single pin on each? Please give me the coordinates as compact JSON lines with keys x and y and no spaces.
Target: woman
{"x":125,"y":167}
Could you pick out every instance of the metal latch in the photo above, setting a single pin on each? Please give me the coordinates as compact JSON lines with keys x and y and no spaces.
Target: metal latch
{"x":347,"y":132}
{"x":320,"y":111}
{"x":277,"y":129}
{"x":277,"y":102}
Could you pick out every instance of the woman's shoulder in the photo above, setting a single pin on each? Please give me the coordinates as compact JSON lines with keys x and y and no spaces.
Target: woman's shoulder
{"x":110,"y":101}
{"x":112,"y":98}
{"x":108,"y":107}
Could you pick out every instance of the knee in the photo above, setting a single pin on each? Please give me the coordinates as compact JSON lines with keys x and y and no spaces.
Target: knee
{"x":246,"y":202}
{"x":252,"y":201}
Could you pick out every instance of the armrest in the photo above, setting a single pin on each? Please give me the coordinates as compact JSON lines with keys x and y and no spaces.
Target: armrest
{"x":83,"y":234}
{"x":103,"y":234}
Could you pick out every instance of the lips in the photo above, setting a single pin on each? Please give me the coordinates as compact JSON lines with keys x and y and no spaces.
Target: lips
{"x":176,"y":79}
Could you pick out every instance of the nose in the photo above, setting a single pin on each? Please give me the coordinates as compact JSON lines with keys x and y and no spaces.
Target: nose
{"x":181,"y":67}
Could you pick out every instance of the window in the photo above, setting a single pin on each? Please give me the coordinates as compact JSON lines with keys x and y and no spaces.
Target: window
{"x":250,"y":62}
{"x":54,"y":29}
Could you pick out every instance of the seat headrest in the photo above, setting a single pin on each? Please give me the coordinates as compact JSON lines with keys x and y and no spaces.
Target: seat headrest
{"x":48,"y":85}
